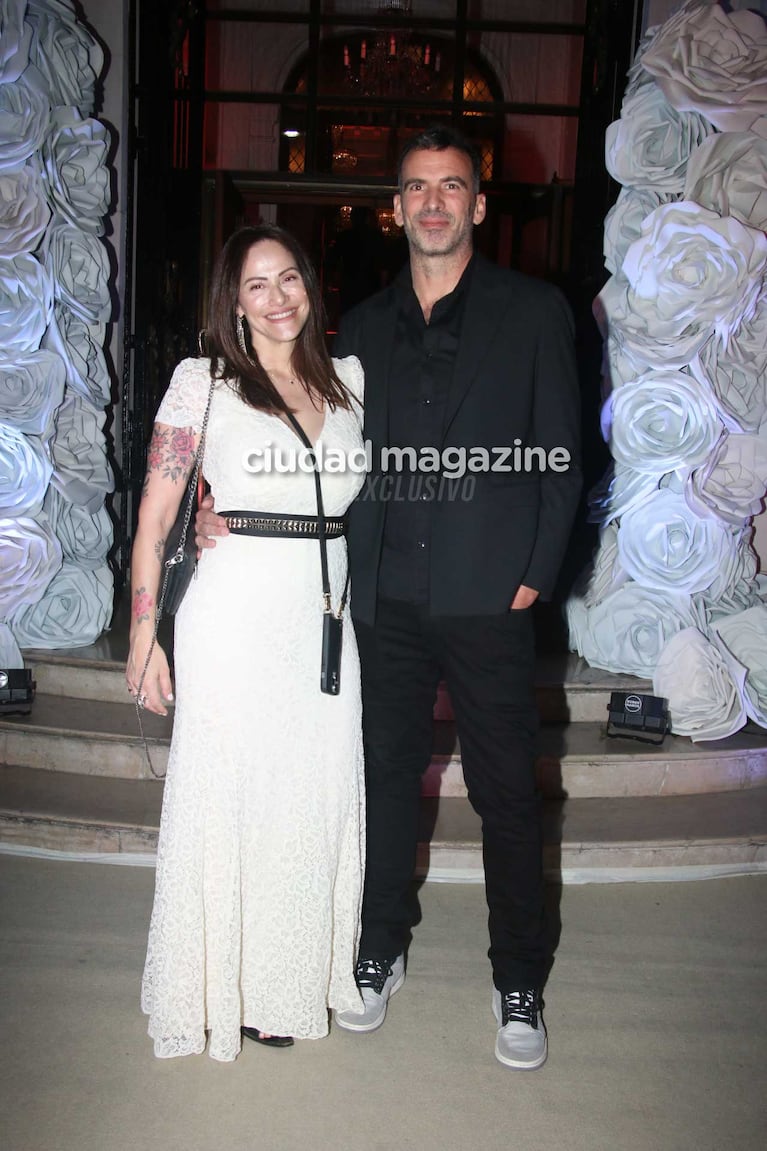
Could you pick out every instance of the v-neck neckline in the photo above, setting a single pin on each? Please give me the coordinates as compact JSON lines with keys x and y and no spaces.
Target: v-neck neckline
{"x":295,"y":434}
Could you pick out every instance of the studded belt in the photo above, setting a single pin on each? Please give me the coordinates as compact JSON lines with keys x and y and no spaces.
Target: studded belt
{"x":283,"y":527}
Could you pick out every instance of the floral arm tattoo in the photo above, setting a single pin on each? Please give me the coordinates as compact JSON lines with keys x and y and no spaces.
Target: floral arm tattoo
{"x":143,"y":603}
{"x":171,"y":454}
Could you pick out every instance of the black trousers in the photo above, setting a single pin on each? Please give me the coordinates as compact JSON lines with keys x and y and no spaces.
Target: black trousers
{"x":488,"y":664}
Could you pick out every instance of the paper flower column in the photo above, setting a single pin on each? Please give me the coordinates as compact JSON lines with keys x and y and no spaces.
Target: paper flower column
{"x":673,"y":593}
{"x":55,"y":530}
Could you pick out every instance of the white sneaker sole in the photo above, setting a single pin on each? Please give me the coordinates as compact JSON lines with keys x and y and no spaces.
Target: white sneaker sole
{"x":518,"y":1065}
{"x":348,"y":1024}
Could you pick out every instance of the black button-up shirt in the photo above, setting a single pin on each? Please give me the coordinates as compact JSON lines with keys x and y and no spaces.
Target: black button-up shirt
{"x":420,"y":375}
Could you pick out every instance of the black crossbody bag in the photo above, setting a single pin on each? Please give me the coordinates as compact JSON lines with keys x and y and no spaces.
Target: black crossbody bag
{"x":332,"y":622}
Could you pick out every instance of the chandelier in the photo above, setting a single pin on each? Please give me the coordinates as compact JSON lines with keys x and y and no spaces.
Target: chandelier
{"x":391,"y":63}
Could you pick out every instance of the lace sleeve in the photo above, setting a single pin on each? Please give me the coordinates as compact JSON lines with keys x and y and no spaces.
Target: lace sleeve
{"x":183,"y":405}
{"x":351,"y":373}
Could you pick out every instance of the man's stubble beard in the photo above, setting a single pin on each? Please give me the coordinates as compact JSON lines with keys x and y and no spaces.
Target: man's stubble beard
{"x":461,"y":241}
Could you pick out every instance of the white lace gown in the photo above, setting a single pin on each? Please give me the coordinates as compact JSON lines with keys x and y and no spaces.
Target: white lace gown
{"x":261,"y":854}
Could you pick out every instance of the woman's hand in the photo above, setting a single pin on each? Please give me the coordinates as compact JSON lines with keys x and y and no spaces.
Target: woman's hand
{"x":157,"y":689}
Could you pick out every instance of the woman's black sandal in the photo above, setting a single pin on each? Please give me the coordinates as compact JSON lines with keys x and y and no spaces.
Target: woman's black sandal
{"x":267,"y":1040}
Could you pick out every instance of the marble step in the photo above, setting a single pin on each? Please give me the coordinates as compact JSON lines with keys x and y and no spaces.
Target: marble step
{"x":568,"y":690}
{"x":97,"y":738}
{"x":598,"y":839}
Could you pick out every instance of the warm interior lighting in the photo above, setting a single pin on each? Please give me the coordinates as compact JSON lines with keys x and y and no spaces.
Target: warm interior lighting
{"x":391,"y":62}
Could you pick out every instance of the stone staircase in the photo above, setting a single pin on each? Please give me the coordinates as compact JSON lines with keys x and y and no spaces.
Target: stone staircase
{"x":74,"y":779}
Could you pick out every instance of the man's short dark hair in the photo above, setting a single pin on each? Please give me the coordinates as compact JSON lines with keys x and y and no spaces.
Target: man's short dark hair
{"x":436,"y":138}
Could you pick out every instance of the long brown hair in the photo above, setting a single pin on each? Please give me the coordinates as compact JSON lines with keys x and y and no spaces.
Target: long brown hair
{"x":311,"y":361}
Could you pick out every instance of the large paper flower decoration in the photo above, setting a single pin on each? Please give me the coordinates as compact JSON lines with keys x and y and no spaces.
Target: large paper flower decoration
{"x":74,"y":158}
{"x":81,"y":347}
{"x":26,"y":303}
{"x":25,"y":473}
{"x":31,"y":390}
{"x":72,"y":612}
{"x":713,"y":62}
{"x":651,"y":142}
{"x":690,"y":273}
{"x":15,"y":36}
{"x":66,"y":55}
{"x":24,"y":112}
{"x":85,"y":539}
{"x":703,"y":685}
{"x":79,"y":268}
{"x":738,"y":374}
{"x":24,"y":211}
{"x":624,"y":221}
{"x":81,"y":470}
{"x":664,"y":544}
{"x":662,"y":422}
{"x":732,"y":482}
{"x":728,"y":173}
{"x":745,"y":636}
{"x":30,"y":556}
{"x":626,"y":631}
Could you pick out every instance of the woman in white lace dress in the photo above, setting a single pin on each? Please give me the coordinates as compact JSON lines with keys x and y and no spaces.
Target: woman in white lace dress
{"x":259,"y":871}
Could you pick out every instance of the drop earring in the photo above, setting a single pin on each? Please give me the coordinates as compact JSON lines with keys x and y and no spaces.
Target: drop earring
{"x":239,"y":323}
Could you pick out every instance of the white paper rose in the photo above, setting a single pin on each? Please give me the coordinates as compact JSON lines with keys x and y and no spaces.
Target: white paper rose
{"x":24,"y":211}
{"x":728,"y":173}
{"x":623,"y":363}
{"x":67,"y":56}
{"x":30,"y":556}
{"x":626,"y":631}
{"x":604,"y":574}
{"x":732,"y":481}
{"x":31,"y":389}
{"x":79,"y":267}
{"x":64,"y":9}
{"x":636,"y":75}
{"x":714,"y":63}
{"x":15,"y":36}
{"x":73,"y":611}
{"x":663,"y":544}
{"x":619,"y":489}
{"x":624,"y":221}
{"x":703,"y":685}
{"x":690,"y":272}
{"x":24,"y":112}
{"x":26,"y":303}
{"x":10,"y":656}
{"x":74,"y":159}
{"x":736,"y":586}
{"x":81,"y":470}
{"x":649,"y":145}
{"x":661,"y":422}
{"x":745,"y":636}
{"x":25,"y":472}
{"x":85,"y":539}
{"x":81,"y":346}
{"x":738,"y":374}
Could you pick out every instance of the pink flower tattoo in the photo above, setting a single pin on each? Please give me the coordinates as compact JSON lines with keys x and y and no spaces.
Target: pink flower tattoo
{"x":142,"y":605}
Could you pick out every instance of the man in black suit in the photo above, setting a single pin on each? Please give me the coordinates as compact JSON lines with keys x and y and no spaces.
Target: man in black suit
{"x":475,"y":363}
{"x":464,"y":357}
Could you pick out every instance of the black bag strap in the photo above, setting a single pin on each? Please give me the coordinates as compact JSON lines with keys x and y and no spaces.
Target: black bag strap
{"x":321,"y":525}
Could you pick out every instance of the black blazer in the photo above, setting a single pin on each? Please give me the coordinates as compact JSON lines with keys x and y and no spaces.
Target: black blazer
{"x":514,"y":378}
